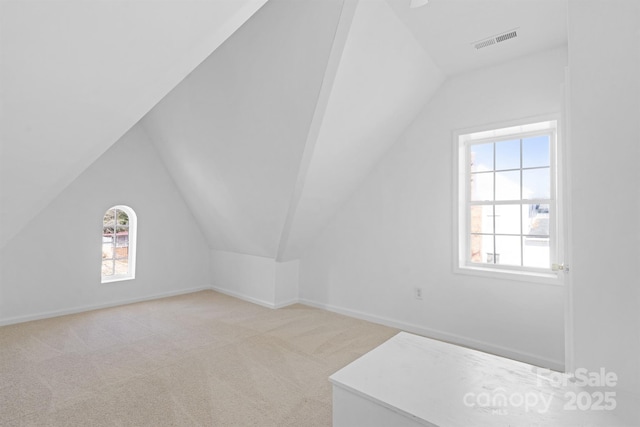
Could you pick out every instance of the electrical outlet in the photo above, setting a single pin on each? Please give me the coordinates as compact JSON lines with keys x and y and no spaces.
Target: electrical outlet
{"x":417,"y":292}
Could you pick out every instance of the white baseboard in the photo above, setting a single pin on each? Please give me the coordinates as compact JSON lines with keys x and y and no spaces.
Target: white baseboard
{"x":243,"y":297}
{"x":532,"y":359}
{"x":254,"y":300}
{"x":56,"y":313}
{"x":286,"y":303}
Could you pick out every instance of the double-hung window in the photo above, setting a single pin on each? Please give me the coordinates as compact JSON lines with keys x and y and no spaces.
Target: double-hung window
{"x":508,"y":213}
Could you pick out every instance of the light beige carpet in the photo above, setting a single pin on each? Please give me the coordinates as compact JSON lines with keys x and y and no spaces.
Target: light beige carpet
{"x":202,"y":359}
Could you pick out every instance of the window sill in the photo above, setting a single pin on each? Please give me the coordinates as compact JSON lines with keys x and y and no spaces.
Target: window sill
{"x":113,"y":279}
{"x":550,"y":278}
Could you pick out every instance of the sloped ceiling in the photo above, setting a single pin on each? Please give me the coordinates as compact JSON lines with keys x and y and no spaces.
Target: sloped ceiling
{"x":76,"y":75}
{"x":275,"y":128}
{"x":447,"y":29}
{"x":394,"y":59}
{"x":383,"y":80}
{"x":232,"y":134}
{"x":269,"y":136}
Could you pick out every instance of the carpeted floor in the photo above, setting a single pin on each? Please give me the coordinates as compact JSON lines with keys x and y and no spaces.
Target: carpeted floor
{"x":202,"y":359}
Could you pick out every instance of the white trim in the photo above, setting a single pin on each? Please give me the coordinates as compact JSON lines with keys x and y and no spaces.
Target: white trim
{"x":116,"y":278}
{"x":564,"y":155}
{"x":553,"y":279}
{"x":254,"y":300}
{"x":90,"y":307}
{"x":286,"y":303}
{"x":530,"y":358}
{"x":132,"y":228}
{"x":461,"y":264}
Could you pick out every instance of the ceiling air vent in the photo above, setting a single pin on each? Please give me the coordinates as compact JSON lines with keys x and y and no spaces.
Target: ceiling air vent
{"x":499,"y":38}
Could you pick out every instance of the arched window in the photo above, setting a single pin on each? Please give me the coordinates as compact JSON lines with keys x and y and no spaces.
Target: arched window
{"x":118,"y":244}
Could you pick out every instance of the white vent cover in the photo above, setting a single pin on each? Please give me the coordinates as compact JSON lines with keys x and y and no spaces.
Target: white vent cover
{"x":499,"y":38}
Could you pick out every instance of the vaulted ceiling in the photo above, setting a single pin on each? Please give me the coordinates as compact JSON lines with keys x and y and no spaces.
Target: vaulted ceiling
{"x":383,"y":80}
{"x":269,"y":135}
{"x":232,"y":134}
{"x":267,"y":114}
{"x":76,"y":75}
{"x":447,"y":29}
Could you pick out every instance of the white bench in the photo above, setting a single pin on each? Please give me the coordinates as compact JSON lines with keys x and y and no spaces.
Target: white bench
{"x":414,"y":381}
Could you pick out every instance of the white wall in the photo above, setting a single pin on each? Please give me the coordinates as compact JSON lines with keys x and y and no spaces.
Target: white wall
{"x":249,"y":277}
{"x":287,"y":277}
{"x":395,"y":234}
{"x":260,"y":280}
{"x":53,"y":265}
{"x":604,"y":77}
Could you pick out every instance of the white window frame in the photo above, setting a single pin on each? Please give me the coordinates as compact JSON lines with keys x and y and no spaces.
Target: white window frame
{"x":133,"y":228}
{"x":462,"y":139}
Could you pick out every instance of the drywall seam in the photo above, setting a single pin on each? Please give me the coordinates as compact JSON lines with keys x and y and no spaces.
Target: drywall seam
{"x":81,"y":309}
{"x":337,"y":48}
{"x":497,"y":350}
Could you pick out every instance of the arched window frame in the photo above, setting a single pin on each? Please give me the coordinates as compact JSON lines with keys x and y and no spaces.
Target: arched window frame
{"x":131,"y":260}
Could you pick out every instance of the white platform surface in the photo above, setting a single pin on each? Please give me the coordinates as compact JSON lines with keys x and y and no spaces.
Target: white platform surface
{"x":434,"y":383}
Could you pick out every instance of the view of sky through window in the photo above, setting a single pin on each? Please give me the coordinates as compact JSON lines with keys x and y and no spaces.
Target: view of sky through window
{"x":509,"y":196}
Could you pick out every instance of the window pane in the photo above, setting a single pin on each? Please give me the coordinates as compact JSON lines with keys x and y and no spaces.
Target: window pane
{"x":536,"y":184}
{"x":508,"y":154}
{"x":122,"y":252}
{"x":482,"y":186}
{"x":122,"y":239}
{"x":108,"y":219}
{"x":535,"y":151}
{"x":107,"y":246}
{"x":123,"y":218}
{"x":481,"y":249}
{"x":107,"y":250}
{"x":107,"y":268}
{"x":536,"y":252}
{"x":508,"y":185}
{"x":508,"y":219}
{"x":481,"y":219}
{"x":122,"y":266}
{"x":509,"y":190}
{"x":481,"y":157}
{"x":535,"y":220}
{"x":508,"y":250}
